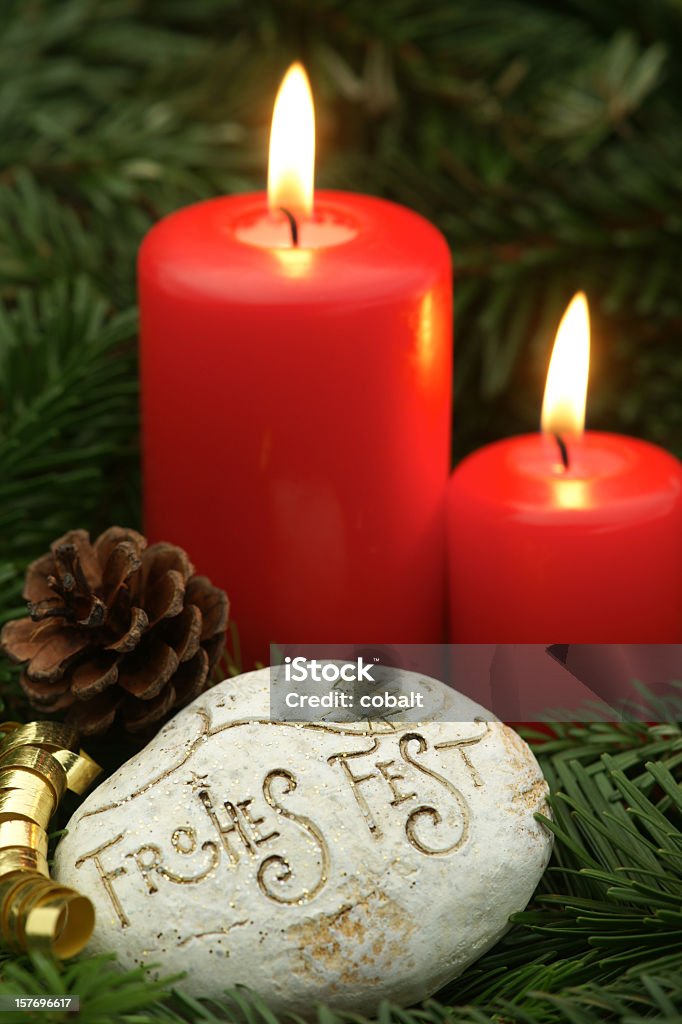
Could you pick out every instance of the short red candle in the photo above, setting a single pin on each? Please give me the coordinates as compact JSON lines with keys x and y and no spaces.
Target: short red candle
{"x":296,"y":414}
{"x":589,"y":554}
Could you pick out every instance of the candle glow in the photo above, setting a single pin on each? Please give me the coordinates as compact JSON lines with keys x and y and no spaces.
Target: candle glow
{"x":563,"y":406}
{"x":291,"y":163}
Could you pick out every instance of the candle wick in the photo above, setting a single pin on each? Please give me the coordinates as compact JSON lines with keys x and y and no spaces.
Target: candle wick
{"x":293,"y":224}
{"x":563,"y":450}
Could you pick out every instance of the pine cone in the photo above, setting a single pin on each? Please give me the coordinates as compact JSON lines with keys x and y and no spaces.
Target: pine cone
{"x":116,"y":630}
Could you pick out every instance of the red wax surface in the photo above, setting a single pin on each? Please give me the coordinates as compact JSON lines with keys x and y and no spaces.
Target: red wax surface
{"x":296,"y":417}
{"x":589,"y":555}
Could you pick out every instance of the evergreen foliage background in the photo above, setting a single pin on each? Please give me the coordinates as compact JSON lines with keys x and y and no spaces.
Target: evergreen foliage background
{"x":544,"y":137}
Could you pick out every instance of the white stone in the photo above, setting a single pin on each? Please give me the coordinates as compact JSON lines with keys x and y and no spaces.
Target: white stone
{"x":340,"y":863}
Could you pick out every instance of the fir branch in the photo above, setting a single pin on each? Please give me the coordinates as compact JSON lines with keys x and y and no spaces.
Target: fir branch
{"x":67,"y":411}
{"x":107,"y":995}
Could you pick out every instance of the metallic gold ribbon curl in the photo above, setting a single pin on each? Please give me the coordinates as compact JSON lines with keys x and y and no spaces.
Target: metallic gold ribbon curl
{"x":38,"y":763}
{"x":32,"y":805}
{"x":25,"y":781}
{"x":48,"y":735}
{"x":81,"y":770}
{"x":22,"y":859}
{"x":23,"y":834}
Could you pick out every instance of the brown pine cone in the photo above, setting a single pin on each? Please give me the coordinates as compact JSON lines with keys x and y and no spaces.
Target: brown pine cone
{"x":116,"y":630}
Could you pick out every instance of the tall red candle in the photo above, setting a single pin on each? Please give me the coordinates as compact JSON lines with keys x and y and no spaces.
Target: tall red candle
{"x":589,"y":552}
{"x":296,"y":411}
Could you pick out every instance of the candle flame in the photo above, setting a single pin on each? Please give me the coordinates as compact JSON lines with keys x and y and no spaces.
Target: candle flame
{"x":563,"y":407}
{"x":291,"y":164}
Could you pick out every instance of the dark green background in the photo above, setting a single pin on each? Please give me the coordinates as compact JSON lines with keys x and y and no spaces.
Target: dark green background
{"x":543,"y":138}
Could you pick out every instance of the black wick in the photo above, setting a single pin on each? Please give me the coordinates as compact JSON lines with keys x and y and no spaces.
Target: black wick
{"x":563,"y":450}
{"x":293,"y":224}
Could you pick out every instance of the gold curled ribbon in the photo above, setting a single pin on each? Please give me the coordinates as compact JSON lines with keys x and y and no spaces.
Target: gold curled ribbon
{"x":34,"y":805}
{"x":48,"y":735}
{"x":61,"y":925}
{"x":10,"y":892}
{"x":27,"y":893}
{"x":81,"y":770}
{"x":38,"y":763}
{"x":22,"y":859}
{"x":24,"y":780}
{"x":23,"y":834}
